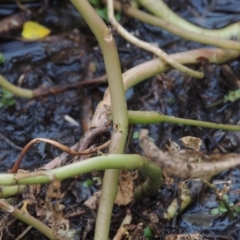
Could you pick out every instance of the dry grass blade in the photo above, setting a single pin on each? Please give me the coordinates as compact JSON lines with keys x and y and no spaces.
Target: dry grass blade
{"x":58,"y":145}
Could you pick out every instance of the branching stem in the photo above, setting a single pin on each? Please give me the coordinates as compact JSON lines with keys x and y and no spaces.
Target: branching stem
{"x":147,"y":46}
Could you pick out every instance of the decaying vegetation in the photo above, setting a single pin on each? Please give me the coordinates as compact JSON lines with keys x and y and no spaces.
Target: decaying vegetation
{"x":111,"y":120}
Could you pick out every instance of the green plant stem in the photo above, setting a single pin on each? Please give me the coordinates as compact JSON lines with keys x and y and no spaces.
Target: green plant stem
{"x":151,"y":186}
{"x":119,"y":112}
{"x":9,"y":191}
{"x":174,"y":208}
{"x":144,"y":117}
{"x":180,"y":31}
{"x":21,"y":92}
{"x":27,"y":218}
{"x":161,"y":10}
{"x":127,"y":161}
{"x":111,"y":161}
{"x":148,"y":46}
{"x":153,"y":67}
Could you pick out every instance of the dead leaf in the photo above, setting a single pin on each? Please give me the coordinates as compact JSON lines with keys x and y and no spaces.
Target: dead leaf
{"x":125,"y":189}
{"x":195,"y":236}
{"x":172,"y":146}
{"x":54,"y":212}
{"x":92,"y":202}
{"x":191,"y":142}
{"x":153,"y":217}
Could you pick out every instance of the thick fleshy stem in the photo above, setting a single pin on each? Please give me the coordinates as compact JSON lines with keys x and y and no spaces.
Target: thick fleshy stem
{"x":119,"y":112}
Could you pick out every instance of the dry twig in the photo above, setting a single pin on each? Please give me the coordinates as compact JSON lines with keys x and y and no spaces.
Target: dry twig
{"x":58,"y":145}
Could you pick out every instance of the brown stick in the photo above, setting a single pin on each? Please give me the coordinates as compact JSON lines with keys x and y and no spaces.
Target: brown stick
{"x":58,"y":145}
{"x":84,"y":142}
{"x":44,"y":91}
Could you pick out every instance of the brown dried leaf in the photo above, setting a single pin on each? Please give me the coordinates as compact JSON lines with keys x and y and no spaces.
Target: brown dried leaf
{"x":54,"y":214}
{"x":191,"y":142}
{"x":138,"y":232}
{"x":30,"y":194}
{"x":125,"y":189}
{"x":153,"y":217}
{"x":195,"y":236}
{"x":92,"y":202}
{"x":172,"y":146}
{"x":13,"y":23}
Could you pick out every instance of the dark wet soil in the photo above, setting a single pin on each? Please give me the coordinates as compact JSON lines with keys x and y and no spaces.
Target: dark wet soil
{"x":70,"y":55}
